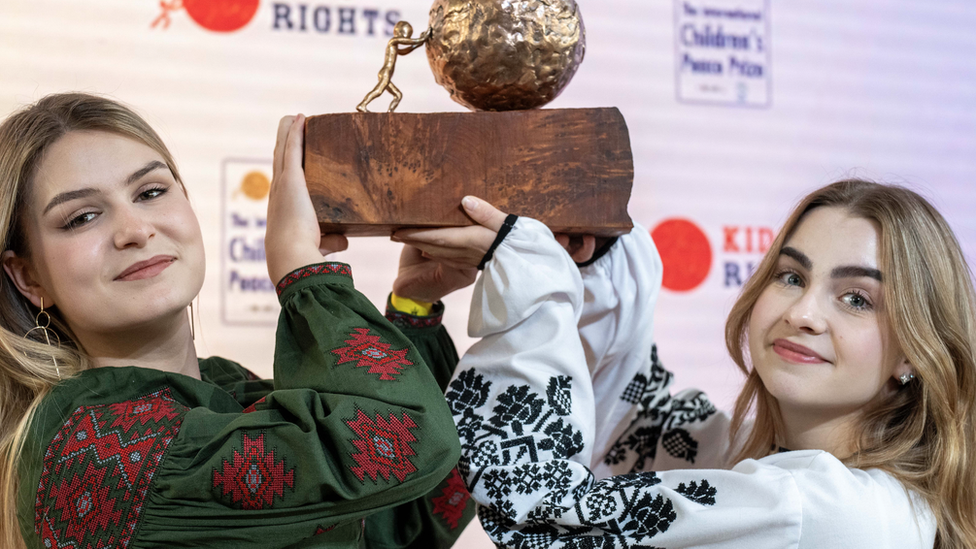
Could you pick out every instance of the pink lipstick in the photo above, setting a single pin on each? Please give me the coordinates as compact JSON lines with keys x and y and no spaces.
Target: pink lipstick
{"x":146,"y":269}
{"x":796,"y":353}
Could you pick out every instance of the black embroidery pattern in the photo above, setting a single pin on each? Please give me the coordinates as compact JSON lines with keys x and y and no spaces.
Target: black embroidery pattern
{"x":702,"y":493}
{"x":519,"y":451}
{"x":659,"y":418}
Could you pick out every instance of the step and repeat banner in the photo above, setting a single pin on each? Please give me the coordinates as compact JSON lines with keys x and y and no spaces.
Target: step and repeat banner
{"x":736,"y":109}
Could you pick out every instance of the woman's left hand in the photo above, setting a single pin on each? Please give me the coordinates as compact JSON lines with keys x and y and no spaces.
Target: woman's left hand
{"x":423,"y":279}
{"x":293,"y":239}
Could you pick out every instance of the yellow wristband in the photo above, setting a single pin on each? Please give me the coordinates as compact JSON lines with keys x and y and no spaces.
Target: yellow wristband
{"x":409,"y":306}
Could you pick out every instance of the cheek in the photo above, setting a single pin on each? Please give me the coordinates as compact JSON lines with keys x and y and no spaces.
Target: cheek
{"x":863,"y":351}
{"x":70,"y":265}
{"x":763,"y":317}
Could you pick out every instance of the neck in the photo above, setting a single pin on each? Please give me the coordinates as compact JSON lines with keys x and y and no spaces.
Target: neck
{"x":166,"y":345}
{"x":808,"y":430}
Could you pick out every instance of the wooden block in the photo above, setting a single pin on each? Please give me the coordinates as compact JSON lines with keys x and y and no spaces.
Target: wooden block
{"x":372,"y":173}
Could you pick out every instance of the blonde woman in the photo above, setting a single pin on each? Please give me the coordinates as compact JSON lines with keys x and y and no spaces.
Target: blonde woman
{"x":856,"y":335}
{"x":114,"y":434}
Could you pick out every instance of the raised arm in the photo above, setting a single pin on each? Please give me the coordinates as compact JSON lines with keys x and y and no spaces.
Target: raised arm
{"x":523,"y":403}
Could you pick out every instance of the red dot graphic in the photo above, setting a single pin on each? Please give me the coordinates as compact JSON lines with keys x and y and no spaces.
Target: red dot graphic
{"x":221,"y":15}
{"x":686,"y":254}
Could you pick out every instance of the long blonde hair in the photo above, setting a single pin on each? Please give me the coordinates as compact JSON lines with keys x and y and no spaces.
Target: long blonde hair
{"x":27,"y":366}
{"x":924,"y":434}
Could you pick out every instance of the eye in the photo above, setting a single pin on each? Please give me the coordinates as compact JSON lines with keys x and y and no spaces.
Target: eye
{"x":789,"y":278}
{"x":79,"y":220}
{"x":152,"y":192}
{"x":856,"y":301}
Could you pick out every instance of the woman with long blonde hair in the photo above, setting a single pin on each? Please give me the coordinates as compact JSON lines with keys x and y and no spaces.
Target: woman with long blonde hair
{"x":856,"y":426}
{"x":114,"y":434}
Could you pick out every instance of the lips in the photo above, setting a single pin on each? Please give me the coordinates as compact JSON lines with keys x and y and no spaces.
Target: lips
{"x":794,"y":352}
{"x":146,"y":269}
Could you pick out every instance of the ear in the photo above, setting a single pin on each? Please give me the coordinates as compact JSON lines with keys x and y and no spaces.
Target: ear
{"x":904,"y":367}
{"x":21,"y":273}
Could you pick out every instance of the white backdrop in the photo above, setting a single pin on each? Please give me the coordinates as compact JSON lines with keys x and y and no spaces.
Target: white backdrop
{"x":736,"y":109}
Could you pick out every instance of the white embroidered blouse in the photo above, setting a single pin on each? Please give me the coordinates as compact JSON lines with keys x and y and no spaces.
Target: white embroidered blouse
{"x":570,"y":436}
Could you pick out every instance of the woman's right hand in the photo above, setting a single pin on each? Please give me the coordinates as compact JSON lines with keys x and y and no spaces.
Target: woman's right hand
{"x":293,"y":239}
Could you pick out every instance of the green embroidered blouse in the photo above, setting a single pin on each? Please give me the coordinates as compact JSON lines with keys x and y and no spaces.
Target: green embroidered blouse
{"x":351,"y":445}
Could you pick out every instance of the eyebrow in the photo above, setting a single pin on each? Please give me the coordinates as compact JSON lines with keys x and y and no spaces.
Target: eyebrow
{"x":846,"y":271}
{"x":86,"y":192}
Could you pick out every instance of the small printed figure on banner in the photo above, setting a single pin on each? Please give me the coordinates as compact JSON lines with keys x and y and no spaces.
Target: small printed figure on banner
{"x":722,"y":51}
{"x":213,"y":15}
{"x":248,"y":294}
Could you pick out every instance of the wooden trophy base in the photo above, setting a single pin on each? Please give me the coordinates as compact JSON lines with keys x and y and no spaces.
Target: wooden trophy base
{"x":372,"y":173}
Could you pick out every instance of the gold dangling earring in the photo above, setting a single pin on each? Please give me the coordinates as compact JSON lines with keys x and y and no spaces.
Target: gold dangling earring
{"x":47,"y":333}
{"x":193,"y":330}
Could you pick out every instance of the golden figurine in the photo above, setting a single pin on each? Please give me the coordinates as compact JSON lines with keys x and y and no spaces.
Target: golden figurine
{"x":494,"y":55}
{"x":400,"y":44}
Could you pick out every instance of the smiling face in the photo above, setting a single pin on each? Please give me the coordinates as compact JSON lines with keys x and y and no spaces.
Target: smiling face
{"x":817,"y":335}
{"x":114,"y":244}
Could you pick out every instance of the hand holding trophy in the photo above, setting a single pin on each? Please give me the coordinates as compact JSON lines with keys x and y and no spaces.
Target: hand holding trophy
{"x":373,"y":173}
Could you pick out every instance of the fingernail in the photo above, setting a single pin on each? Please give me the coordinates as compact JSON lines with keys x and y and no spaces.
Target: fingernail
{"x":469,"y":203}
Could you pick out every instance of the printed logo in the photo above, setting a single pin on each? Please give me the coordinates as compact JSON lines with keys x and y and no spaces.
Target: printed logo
{"x":247,"y":292}
{"x":213,"y":15}
{"x":723,"y":52}
{"x":685,"y":252}
{"x":743,"y":247}
{"x":225,"y":16}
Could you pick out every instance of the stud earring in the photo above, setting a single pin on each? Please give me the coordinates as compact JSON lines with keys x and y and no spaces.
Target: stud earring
{"x":44,"y":317}
{"x":905,"y":379}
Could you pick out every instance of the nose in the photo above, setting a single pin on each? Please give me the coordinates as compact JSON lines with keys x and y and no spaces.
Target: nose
{"x":806,"y":314}
{"x":132,"y":229}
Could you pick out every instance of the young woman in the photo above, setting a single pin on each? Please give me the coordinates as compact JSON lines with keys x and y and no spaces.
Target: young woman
{"x":856,"y":335}
{"x":114,"y":434}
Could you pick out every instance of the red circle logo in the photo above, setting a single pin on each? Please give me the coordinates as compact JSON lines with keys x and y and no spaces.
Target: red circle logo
{"x":686,"y":254}
{"x":221,"y":15}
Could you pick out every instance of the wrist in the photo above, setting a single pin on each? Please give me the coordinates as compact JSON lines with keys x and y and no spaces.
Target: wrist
{"x":410,"y":306}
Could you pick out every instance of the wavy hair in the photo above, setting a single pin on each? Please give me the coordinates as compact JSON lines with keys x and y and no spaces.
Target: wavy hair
{"x":924,"y":434}
{"x":27,"y":366}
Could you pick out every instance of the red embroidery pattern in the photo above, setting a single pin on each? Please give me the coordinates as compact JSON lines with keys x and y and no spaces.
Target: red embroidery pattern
{"x":253,"y":407}
{"x":307,"y":271}
{"x":253,"y":479}
{"x":321,"y":530}
{"x":368,"y":351}
{"x":98,"y":468}
{"x":384,"y":446}
{"x":401,"y":319}
{"x":452,"y":501}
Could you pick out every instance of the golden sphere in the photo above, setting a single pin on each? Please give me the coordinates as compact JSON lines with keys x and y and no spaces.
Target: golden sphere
{"x":503,"y":55}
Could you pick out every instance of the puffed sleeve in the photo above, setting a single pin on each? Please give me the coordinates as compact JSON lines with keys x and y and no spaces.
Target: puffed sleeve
{"x":356,"y":423}
{"x":524,"y":404}
{"x":437,"y":519}
{"x":640,"y":424}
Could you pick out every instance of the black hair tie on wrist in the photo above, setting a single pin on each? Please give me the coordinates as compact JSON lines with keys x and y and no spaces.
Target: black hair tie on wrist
{"x":599,"y":253}
{"x":502,"y":233}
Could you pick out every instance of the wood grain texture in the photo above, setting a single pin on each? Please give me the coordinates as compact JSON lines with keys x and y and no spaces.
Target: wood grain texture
{"x":371,"y":173}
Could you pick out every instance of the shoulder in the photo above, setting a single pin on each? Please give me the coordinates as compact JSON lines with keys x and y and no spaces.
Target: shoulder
{"x":87,"y":445}
{"x":846,"y":506}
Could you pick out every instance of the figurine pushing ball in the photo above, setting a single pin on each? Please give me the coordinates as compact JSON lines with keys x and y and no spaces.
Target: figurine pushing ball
{"x":494,"y":55}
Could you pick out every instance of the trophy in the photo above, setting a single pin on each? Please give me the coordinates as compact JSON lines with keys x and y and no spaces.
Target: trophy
{"x":371,"y":173}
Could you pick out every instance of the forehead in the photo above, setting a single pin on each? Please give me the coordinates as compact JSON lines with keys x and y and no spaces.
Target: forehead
{"x":831,"y":236}
{"x":81,"y":159}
